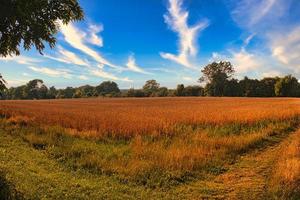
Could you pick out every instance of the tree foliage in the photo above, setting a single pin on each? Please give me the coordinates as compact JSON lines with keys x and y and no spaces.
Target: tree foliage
{"x":216,"y":74}
{"x":107,"y":88}
{"x":33,"y":22}
{"x":287,"y":86}
{"x":2,"y":85}
{"x":151,"y":87}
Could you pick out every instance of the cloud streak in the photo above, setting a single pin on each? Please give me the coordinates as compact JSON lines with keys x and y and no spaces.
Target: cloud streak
{"x":106,"y":75}
{"x":177,"y":20}
{"x":24,"y":60}
{"x":68,"y":57}
{"x":76,"y":38}
{"x":51,"y":72}
{"x":286,"y":47}
{"x":132,"y":66}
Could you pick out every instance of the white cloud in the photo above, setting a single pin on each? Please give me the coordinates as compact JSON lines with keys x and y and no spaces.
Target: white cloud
{"x":106,"y":75}
{"x":82,"y":77}
{"x":250,"y":13}
{"x":20,"y":59}
{"x":25,"y":74}
{"x":51,"y":72}
{"x":132,"y":66}
{"x":285,"y":47}
{"x":245,"y":61}
{"x":68,"y":57}
{"x":177,"y":19}
{"x":271,"y":73}
{"x":187,"y":78}
{"x":93,"y":37}
{"x":15,"y":83}
{"x":76,"y":38}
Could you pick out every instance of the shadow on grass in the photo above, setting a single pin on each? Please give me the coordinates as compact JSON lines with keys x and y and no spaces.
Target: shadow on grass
{"x":7,"y":191}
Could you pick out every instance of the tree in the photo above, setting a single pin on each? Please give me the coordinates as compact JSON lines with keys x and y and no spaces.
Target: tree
{"x":87,"y":91}
{"x":151,"y":87}
{"x":287,"y":86}
{"x":250,"y":87}
{"x":216,"y":74}
{"x":162,"y":92}
{"x":180,"y":90}
{"x":35,"y":89}
{"x":108,"y":88}
{"x":232,"y":88}
{"x":52,"y":92}
{"x":31,"y":23}
{"x":2,"y":85}
{"x":193,"y":91}
{"x":268,"y":86}
{"x":18,"y":92}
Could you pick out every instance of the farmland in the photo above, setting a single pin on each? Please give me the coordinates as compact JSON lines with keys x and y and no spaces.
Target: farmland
{"x":150,"y":147}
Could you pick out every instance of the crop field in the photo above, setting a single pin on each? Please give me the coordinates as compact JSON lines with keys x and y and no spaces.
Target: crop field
{"x":150,"y":148}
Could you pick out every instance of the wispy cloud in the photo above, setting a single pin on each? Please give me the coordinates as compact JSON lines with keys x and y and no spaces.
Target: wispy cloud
{"x":285,"y":47}
{"x":20,"y":59}
{"x":132,"y":66}
{"x":272,"y":73}
{"x":68,"y":57}
{"x":187,"y":78}
{"x":51,"y":72}
{"x":249,"y":13}
{"x":83,"y":77}
{"x":177,"y":20}
{"x":242,"y":60}
{"x":76,"y":38}
{"x":106,"y":75}
{"x":15,"y":83}
{"x":93,"y":37}
{"x":245,"y":62}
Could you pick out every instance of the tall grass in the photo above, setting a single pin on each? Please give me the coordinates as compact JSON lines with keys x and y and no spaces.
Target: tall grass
{"x":150,"y":160}
{"x":126,"y":118}
{"x":285,"y":183}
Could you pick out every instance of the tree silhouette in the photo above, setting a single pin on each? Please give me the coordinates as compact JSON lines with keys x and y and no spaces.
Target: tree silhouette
{"x":2,"y":85}
{"x":31,"y":23}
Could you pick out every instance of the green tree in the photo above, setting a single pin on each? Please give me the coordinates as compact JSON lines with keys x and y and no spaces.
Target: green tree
{"x":2,"y":86}
{"x":151,"y":87}
{"x":180,"y":90}
{"x":35,"y":89}
{"x":268,"y":86}
{"x":18,"y":92}
{"x":250,"y":87}
{"x":232,"y":88}
{"x":52,"y":92}
{"x":216,"y":74}
{"x":193,"y":91}
{"x":108,"y":88}
{"x":87,"y":91}
{"x":287,"y":86}
{"x":162,"y":92}
{"x":33,"y":22}
{"x":68,"y":92}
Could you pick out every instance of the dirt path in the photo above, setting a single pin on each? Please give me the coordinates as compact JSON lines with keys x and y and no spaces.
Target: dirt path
{"x":246,"y":179}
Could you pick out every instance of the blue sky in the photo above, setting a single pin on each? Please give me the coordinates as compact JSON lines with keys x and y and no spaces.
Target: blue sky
{"x":131,"y":41}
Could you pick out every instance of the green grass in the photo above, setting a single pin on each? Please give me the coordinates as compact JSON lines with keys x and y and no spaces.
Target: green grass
{"x":48,"y":163}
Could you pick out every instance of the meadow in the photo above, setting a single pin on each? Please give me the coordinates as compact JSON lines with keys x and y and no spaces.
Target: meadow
{"x":158,"y":148}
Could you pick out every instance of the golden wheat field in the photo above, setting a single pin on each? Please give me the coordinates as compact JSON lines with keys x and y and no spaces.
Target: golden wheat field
{"x":155,"y":116}
{"x":162,"y":143}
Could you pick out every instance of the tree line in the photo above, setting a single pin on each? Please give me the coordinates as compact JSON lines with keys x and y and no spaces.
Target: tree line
{"x":218,"y":78}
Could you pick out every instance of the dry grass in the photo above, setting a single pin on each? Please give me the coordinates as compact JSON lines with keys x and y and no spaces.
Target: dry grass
{"x":286,"y":178}
{"x":125,"y":118}
{"x":154,"y":142}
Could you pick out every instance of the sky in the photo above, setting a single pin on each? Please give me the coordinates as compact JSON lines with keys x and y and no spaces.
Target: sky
{"x":131,"y":41}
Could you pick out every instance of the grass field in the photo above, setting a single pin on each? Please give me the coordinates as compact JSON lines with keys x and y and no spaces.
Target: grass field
{"x":155,"y":148}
